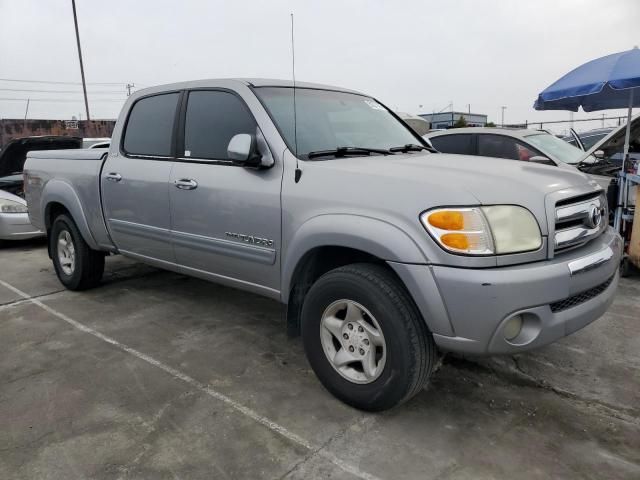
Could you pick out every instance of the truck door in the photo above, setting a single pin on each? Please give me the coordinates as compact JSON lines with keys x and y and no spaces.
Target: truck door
{"x":225,"y":217}
{"x":135,"y":179}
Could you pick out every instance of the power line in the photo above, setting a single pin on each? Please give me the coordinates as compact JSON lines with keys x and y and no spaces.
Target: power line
{"x":60,"y":100}
{"x":56,"y":91}
{"x":59,"y":83}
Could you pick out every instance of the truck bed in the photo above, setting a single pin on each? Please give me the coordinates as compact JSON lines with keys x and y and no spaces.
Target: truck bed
{"x":75,"y":172}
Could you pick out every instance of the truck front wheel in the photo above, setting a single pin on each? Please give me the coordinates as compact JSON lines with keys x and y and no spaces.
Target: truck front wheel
{"x":364,"y":337}
{"x":78,"y":267}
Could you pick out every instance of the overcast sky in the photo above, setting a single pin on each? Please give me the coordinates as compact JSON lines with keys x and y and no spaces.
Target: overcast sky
{"x":406,"y":53}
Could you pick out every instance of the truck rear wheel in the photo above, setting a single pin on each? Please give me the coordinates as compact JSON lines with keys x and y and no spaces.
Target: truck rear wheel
{"x":78,"y":267}
{"x":365,"y":339}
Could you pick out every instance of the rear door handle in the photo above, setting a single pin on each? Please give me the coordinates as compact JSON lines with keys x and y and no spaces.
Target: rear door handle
{"x":186,"y":184}
{"x":113,"y":176}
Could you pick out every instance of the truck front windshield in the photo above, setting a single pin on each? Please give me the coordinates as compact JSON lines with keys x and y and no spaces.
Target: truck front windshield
{"x":326,"y":120}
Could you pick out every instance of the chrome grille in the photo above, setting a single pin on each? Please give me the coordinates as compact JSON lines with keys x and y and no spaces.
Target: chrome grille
{"x":579,"y":220}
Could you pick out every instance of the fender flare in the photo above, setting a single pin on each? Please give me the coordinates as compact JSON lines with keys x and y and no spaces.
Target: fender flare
{"x":371,"y":235}
{"x":57,"y":191}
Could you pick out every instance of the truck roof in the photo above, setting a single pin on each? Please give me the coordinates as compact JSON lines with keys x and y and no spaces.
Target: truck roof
{"x":252,"y":82}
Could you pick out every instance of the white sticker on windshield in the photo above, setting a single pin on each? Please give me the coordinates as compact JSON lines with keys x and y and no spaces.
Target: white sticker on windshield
{"x":374,"y":105}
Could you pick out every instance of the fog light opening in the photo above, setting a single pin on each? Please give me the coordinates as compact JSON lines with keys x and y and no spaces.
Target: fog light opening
{"x":512,"y":328}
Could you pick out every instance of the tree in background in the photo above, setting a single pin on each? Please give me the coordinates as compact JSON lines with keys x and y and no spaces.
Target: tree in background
{"x":490,"y":124}
{"x":460,"y":123}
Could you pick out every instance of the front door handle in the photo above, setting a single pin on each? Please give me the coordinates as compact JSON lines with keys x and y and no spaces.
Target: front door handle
{"x":186,"y":184}
{"x":113,"y":176}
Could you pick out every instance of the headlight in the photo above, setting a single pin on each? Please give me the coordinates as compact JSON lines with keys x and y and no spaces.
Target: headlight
{"x":9,"y":206}
{"x":497,"y":229}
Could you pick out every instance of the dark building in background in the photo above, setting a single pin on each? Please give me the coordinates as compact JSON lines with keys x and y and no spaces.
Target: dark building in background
{"x":447,"y":119}
{"x":17,"y":128}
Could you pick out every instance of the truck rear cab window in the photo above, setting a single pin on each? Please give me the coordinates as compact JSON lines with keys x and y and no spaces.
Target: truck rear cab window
{"x":212,"y":119}
{"x":461,"y":143}
{"x":149,"y":129}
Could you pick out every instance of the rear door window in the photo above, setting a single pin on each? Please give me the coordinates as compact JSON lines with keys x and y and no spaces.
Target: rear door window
{"x":501,"y":146}
{"x":212,"y":119}
{"x":497,"y":146}
{"x":149,"y":129}
{"x":461,"y":143}
{"x":525,"y":152}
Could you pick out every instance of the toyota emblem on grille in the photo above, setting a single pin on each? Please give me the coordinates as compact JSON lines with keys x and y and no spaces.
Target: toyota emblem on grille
{"x":595,"y":216}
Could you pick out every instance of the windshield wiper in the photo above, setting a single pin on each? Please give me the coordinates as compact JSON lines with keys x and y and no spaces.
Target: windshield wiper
{"x":410,"y":147}
{"x":583,"y":165}
{"x":344,"y":151}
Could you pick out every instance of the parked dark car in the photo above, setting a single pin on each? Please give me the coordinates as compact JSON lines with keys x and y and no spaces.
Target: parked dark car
{"x":586,"y":140}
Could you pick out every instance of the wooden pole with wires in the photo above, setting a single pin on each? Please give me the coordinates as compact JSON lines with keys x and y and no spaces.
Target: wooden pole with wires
{"x":84,"y":85}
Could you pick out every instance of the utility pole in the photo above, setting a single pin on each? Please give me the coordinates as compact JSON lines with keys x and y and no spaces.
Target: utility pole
{"x":26,"y":112}
{"x":451,"y":105}
{"x":84,"y":85}
{"x":469,"y":108}
{"x":129,"y":87}
{"x":503,"y":109}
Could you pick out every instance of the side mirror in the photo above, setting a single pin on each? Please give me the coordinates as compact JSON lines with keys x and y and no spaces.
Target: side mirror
{"x":541,"y":159}
{"x":242,"y":150}
{"x":599,"y":154}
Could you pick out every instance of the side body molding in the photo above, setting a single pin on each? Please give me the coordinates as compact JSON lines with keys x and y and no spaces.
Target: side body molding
{"x":57,"y":191}
{"x":371,"y":235}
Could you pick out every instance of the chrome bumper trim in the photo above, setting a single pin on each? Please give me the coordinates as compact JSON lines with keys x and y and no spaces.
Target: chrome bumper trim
{"x":590,"y":262}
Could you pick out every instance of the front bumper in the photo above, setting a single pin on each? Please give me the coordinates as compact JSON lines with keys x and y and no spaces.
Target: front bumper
{"x":554,"y":298}
{"x":16,"y":226}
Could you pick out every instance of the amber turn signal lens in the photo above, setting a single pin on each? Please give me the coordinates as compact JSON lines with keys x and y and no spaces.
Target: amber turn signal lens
{"x":455,"y":240}
{"x":447,"y":220}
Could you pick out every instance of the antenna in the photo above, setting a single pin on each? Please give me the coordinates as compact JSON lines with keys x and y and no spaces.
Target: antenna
{"x":298,"y":173}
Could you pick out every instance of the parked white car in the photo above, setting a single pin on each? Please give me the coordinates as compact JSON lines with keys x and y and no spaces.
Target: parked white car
{"x":14,"y":218}
{"x":514,"y":144}
{"x":101,"y":142}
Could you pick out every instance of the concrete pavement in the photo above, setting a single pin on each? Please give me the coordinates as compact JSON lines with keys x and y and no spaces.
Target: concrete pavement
{"x":156,"y":375}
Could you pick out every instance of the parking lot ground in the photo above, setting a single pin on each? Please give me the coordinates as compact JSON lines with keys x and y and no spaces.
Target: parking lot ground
{"x":156,"y":375}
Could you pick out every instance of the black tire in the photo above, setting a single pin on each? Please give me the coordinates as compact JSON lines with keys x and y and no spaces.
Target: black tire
{"x":89,"y":264}
{"x":411,"y":353}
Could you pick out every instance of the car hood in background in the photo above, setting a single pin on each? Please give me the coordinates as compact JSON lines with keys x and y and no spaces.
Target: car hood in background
{"x":14,"y":153}
{"x":614,"y":142}
{"x":12,"y":184}
{"x":9,"y":196}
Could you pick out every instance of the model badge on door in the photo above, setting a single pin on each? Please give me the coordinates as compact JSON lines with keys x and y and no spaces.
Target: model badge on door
{"x":250,"y":239}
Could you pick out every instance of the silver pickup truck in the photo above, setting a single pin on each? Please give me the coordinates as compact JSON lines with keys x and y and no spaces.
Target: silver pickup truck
{"x":323,"y":199}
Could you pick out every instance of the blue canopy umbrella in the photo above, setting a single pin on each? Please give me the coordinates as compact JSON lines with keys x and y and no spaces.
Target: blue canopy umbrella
{"x":601,"y":84}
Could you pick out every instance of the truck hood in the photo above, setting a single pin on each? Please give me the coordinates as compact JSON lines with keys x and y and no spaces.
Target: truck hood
{"x":445,"y":179}
{"x":489,"y":180}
